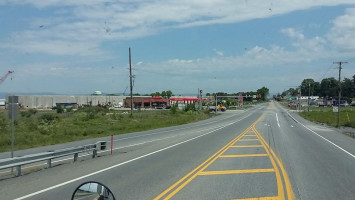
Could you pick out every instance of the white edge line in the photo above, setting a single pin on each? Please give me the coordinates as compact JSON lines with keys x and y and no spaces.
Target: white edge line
{"x":131,"y":145}
{"x":178,"y":129}
{"x":322,"y":137}
{"x":114,"y":166}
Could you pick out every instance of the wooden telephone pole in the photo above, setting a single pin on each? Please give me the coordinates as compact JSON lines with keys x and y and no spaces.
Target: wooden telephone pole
{"x":339,"y":92}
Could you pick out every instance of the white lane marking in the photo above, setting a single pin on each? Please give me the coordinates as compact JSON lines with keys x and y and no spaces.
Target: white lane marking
{"x":291,"y":126}
{"x":323,"y":137}
{"x":126,"y":162}
{"x":277,"y":119}
{"x":178,"y":129}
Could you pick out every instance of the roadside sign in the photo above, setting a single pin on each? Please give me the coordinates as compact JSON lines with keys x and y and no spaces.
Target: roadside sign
{"x":13,"y":110}
{"x":335,"y":109}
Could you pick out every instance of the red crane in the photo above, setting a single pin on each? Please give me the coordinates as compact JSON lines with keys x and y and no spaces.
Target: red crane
{"x":2,"y":79}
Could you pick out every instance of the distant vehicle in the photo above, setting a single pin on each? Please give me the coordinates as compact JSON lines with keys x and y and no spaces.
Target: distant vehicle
{"x":119,"y":105}
{"x":160,"y":107}
{"x":292,"y":105}
{"x":342,"y":103}
{"x":313,"y":104}
{"x":321,"y":104}
{"x":219,"y":108}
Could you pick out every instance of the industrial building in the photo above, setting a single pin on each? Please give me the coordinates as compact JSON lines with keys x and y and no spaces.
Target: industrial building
{"x":49,"y":101}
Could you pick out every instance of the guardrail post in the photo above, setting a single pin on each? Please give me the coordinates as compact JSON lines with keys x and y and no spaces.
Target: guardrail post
{"x":94,"y":153}
{"x":75,"y":157}
{"x":18,"y":170}
{"x":49,"y":163}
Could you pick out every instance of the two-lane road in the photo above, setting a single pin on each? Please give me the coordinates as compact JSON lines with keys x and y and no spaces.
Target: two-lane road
{"x":265,"y":152}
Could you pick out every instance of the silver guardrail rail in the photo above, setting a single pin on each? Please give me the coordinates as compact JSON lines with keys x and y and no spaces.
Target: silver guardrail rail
{"x":48,"y":156}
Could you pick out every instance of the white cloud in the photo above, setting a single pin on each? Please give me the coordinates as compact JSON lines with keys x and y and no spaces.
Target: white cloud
{"x":89,"y":21}
{"x":220,"y":53}
{"x":343,"y":31}
{"x":80,"y":27}
{"x":292,"y":33}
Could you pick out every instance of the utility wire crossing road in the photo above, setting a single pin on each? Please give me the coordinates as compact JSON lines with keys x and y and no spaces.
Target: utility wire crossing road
{"x":250,"y":141}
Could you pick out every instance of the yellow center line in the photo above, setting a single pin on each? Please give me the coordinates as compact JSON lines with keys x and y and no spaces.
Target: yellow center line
{"x":259,"y":198}
{"x":243,"y":155}
{"x":175,"y":188}
{"x":280,"y":188}
{"x":200,"y":170}
{"x":249,"y":140}
{"x":240,"y":171}
{"x":249,"y":135}
{"x":185,"y":178}
{"x":246,"y":146}
{"x":289,"y":190}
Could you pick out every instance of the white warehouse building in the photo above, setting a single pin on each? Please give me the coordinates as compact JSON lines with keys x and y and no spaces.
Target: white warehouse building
{"x":49,"y":101}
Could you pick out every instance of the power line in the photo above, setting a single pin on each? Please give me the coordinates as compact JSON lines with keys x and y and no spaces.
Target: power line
{"x":326,"y":73}
{"x":350,"y":59}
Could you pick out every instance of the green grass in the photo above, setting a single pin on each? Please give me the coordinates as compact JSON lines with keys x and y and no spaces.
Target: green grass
{"x":327,"y":116}
{"x":47,"y":128}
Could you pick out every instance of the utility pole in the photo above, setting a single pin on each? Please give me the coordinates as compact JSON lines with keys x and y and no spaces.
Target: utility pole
{"x":299,"y":100}
{"x":339,"y":94}
{"x":130,"y":80}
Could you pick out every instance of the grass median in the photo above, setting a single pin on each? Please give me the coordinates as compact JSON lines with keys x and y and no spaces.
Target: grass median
{"x":40,"y":128}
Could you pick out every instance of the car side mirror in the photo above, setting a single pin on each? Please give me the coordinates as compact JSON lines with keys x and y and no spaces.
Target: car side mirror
{"x":93,"y":190}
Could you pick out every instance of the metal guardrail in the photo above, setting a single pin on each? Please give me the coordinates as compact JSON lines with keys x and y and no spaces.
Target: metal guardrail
{"x":48,"y":156}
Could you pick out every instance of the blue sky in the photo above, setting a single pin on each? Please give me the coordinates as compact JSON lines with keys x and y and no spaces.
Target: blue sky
{"x":80,"y":46}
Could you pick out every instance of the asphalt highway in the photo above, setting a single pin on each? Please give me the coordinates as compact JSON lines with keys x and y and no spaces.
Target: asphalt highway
{"x":265,"y":152}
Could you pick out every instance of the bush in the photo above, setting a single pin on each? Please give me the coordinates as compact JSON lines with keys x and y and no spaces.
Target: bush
{"x":69,"y":109}
{"x":4,"y":124}
{"x":49,"y":118}
{"x":28,"y":113}
{"x":60,"y":109}
{"x":190,"y":107}
{"x":173,"y":109}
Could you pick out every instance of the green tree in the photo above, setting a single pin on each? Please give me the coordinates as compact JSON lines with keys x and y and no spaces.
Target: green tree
{"x":329,"y":87}
{"x":317,"y":89}
{"x":221,"y":94}
{"x":155,"y":94}
{"x":264,"y":91}
{"x":163,"y":94}
{"x":348,"y":88}
{"x":307,"y":86}
{"x":169,"y":94}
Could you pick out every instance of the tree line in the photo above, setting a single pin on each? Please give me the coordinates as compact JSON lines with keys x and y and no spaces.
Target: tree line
{"x":328,"y":87}
{"x":263,"y":92}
